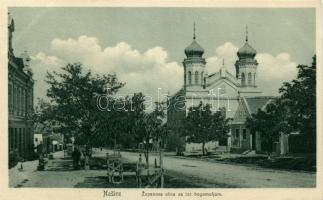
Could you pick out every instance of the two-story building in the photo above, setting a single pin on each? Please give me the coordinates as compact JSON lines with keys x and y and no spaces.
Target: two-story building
{"x":20,"y":99}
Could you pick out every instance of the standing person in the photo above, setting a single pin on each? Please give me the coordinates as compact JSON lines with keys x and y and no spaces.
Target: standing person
{"x":76,"y":158}
{"x":41,"y":162}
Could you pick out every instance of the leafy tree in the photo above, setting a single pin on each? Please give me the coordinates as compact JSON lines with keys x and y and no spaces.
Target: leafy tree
{"x":73,"y":95}
{"x":294,"y":110}
{"x":150,"y":126}
{"x":299,"y":96}
{"x":175,"y":142}
{"x":141,"y":127}
{"x":270,"y":122}
{"x":202,"y":126}
{"x":125,"y":122}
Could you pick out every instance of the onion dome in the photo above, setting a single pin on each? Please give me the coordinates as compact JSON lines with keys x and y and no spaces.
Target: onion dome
{"x":247,"y":51}
{"x":194,"y":50}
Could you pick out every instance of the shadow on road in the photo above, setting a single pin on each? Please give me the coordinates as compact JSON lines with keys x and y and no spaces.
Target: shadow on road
{"x":59,"y":165}
{"x":130,"y":182}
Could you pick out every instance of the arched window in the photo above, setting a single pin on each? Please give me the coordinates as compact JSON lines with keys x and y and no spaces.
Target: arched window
{"x":196,"y":77}
{"x":189,"y":77}
{"x":249,"y":79}
{"x":18,"y":101}
{"x":14,"y":98}
{"x":243,"y":79}
{"x":202,"y":78}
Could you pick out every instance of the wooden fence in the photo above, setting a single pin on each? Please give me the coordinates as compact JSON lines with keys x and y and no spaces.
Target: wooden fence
{"x":115,"y":167}
{"x":148,"y":176}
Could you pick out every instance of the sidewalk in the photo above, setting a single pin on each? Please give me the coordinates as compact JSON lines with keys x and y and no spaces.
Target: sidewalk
{"x":17,"y":177}
{"x":58,"y":173}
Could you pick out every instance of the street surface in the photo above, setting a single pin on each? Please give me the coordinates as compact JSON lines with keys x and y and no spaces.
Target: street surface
{"x":233,"y":175}
{"x":59,"y":173}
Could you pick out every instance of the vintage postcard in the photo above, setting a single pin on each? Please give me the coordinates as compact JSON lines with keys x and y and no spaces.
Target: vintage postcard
{"x":161,"y":100}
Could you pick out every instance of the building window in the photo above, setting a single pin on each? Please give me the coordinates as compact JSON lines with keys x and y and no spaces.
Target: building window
{"x":244,"y":134}
{"x":196,"y":77}
{"x":249,"y":79}
{"x":19,"y":101}
{"x":26,"y":101}
{"x":20,"y":141}
{"x":254,"y":79}
{"x":16,"y":138}
{"x":243,"y":79}
{"x":237,"y":133}
{"x":15,"y":99}
{"x":29,"y":139}
{"x":22,"y":101}
{"x":189,"y":77}
{"x":24,"y":140}
{"x":11,"y":138}
{"x":202,"y":78}
{"x":10,"y":97}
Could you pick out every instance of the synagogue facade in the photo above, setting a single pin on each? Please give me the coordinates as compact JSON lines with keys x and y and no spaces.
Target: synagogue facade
{"x":222,"y":90}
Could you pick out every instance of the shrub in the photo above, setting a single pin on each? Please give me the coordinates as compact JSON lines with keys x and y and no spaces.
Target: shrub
{"x":13,"y":158}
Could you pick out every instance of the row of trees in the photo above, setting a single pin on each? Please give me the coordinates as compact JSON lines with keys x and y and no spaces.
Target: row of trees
{"x":293,"y":111}
{"x":73,"y":110}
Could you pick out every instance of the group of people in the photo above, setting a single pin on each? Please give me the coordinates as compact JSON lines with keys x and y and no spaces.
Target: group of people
{"x":76,"y":155}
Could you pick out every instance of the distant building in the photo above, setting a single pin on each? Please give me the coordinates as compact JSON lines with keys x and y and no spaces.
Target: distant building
{"x":221,"y":90}
{"x":38,"y":142}
{"x":38,"y":139}
{"x":20,"y":99}
{"x":242,"y":138}
{"x":46,"y":140}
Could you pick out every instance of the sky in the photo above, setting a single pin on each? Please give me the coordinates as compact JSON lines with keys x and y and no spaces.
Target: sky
{"x":145,"y":46}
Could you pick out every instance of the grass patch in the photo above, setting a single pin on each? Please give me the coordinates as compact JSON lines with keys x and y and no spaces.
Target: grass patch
{"x":289,"y":163}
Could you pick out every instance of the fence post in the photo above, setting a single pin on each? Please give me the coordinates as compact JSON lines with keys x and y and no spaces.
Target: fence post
{"x":108,"y":168}
{"x":161,"y":168}
{"x":139,"y":165}
{"x":121,"y":169}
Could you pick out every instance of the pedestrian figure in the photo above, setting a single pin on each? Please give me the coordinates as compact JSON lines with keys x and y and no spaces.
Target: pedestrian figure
{"x":76,"y":158}
{"x":41,"y":162}
{"x":21,"y":164}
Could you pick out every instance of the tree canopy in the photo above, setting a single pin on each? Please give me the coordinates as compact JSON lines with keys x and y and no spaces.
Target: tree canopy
{"x":73,"y":96}
{"x":293,"y":111}
{"x":202,"y":126}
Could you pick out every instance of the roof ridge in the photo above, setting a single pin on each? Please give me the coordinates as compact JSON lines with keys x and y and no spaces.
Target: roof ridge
{"x":247,"y":105}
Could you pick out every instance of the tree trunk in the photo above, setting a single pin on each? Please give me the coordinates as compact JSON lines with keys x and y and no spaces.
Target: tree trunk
{"x":146,"y":157}
{"x":147,"y":153}
{"x":88,"y":148}
{"x":203,"y":150}
{"x":115,"y":142}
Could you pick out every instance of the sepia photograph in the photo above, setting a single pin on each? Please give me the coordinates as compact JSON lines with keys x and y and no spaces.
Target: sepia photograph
{"x":111,"y":97}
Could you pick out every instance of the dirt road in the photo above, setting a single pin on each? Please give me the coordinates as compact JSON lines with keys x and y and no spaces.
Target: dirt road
{"x":233,"y":175}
